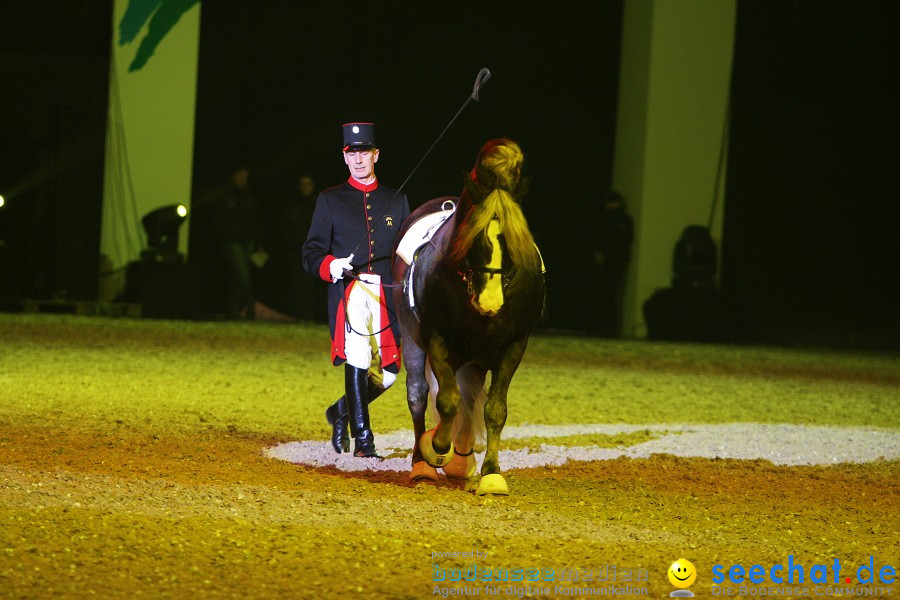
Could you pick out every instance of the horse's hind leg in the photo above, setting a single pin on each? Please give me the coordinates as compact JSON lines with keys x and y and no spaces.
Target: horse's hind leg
{"x":437,"y":444}
{"x":417,"y":399}
{"x":492,"y":481}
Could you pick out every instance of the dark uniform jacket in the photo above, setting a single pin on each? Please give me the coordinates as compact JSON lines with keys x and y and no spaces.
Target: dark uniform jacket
{"x":363,"y":220}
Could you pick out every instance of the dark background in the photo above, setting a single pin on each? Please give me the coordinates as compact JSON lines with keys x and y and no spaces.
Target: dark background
{"x":811,"y":210}
{"x":277,"y":80}
{"x":54,"y":67}
{"x":812,"y":189}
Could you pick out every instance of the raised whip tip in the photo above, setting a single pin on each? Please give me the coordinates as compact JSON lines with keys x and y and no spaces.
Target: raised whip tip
{"x":482,"y":78}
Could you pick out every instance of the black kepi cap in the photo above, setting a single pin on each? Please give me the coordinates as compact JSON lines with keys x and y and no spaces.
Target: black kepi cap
{"x":359,"y":136}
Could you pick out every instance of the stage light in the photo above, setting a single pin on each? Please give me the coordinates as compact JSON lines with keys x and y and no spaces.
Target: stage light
{"x":162,"y":227}
{"x":2,"y":201}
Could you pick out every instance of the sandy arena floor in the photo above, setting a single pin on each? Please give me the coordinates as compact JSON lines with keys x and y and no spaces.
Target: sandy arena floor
{"x":132,"y":464}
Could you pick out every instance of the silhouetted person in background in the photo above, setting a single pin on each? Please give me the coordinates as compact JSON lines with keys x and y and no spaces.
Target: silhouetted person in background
{"x":306,"y":294}
{"x":231,"y":210}
{"x":613,"y":234}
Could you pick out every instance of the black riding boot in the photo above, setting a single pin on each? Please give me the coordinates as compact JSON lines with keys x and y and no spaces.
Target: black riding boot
{"x":356,"y":388}
{"x":337,"y":418}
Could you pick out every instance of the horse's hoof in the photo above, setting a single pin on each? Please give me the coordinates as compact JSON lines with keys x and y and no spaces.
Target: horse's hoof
{"x":428,"y":452}
{"x":492,"y":484}
{"x":460,"y":466}
{"x":422,"y":471}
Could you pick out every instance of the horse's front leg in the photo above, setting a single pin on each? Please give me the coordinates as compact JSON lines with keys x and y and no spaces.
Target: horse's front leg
{"x":492,"y":481}
{"x":437,"y":444}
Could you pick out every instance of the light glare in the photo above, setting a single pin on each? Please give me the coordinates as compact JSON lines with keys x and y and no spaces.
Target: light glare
{"x":181,"y":210}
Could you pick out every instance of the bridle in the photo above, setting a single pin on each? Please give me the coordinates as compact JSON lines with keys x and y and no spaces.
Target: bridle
{"x":468,"y":276}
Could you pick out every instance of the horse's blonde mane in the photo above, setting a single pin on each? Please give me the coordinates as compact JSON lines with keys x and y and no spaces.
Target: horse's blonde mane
{"x":498,"y":168}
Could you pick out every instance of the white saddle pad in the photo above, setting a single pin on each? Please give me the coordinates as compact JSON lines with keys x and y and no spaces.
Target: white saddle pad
{"x":421,"y":232}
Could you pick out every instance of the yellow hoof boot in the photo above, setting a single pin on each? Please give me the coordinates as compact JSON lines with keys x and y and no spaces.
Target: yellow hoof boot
{"x":422,"y":471}
{"x":460,"y":466}
{"x":428,"y":453}
{"x":492,"y":484}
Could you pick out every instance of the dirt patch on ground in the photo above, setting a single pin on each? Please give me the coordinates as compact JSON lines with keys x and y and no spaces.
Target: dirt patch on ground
{"x":126,"y":513}
{"x":131,"y":465}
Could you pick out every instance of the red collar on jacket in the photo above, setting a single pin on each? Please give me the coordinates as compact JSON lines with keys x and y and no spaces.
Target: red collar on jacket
{"x":363,"y":187}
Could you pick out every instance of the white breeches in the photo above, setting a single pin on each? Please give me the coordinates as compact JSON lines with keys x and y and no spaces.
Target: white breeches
{"x":362,"y":343}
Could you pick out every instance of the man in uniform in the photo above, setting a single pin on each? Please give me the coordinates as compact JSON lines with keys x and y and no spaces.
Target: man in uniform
{"x":349,"y":245}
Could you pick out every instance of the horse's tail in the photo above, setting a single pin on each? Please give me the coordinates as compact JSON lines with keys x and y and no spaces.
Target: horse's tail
{"x":432,"y":393}
{"x":471,"y":406}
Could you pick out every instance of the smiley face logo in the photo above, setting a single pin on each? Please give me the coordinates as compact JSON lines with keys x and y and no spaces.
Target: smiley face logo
{"x":682,"y":573}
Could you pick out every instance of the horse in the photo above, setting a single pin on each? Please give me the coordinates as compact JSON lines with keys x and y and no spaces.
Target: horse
{"x":469,"y":300}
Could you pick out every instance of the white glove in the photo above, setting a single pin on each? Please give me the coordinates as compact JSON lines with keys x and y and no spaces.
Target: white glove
{"x":338,"y":266}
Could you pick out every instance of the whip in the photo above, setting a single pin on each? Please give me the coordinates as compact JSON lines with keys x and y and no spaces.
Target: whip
{"x":482,"y":78}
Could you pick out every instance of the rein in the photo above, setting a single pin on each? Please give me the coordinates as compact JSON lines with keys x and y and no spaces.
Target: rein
{"x":349,"y":328}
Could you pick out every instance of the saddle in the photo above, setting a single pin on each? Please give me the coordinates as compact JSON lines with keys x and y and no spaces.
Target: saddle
{"x":422,"y":230}
{"x":419,"y":234}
